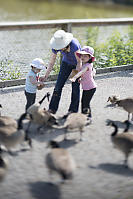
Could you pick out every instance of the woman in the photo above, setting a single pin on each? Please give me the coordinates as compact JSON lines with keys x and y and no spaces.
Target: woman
{"x":67,"y":45}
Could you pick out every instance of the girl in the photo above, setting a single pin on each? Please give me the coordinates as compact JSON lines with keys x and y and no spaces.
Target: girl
{"x":32,"y":81}
{"x":87,"y":81}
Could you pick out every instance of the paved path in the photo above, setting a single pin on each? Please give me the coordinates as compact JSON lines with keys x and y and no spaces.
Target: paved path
{"x":100,"y":174}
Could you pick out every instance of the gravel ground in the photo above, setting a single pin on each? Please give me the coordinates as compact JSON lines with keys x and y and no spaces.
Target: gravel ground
{"x":100,"y":173}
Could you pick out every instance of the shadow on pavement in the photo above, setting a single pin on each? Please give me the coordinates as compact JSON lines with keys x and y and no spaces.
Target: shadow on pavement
{"x":118,"y":169}
{"x":44,"y":190}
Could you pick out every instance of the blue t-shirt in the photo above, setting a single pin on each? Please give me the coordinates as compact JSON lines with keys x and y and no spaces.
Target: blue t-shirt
{"x":29,"y":87}
{"x":69,"y":57}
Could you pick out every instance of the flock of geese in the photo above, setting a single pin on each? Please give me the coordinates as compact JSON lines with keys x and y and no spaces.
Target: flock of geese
{"x":59,"y":160}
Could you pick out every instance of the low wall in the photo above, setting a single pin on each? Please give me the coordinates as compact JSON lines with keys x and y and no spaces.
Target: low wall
{"x":17,"y":82}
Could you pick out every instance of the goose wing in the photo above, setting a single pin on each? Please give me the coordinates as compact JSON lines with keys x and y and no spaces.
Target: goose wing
{"x":5,"y":120}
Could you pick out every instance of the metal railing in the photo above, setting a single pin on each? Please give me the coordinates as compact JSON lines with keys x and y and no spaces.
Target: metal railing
{"x":29,"y":39}
{"x":65,"y":24}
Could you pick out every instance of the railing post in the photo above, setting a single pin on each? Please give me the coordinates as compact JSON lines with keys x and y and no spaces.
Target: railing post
{"x":67,"y":28}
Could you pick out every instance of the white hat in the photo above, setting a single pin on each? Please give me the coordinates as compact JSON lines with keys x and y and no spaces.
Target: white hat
{"x":60,"y":39}
{"x":38,"y":63}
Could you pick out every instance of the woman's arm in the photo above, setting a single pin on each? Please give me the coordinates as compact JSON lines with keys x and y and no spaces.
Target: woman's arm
{"x":79,"y":62}
{"x":50,"y":67}
{"x":79,"y":74}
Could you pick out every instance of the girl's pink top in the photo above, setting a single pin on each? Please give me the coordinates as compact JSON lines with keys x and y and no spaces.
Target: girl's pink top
{"x":87,"y":80}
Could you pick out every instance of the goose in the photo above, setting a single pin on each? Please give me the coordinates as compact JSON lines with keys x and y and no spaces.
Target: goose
{"x":60,"y":161}
{"x":123,"y":142}
{"x":75,"y":121}
{"x":127,"y":105}
{"x":11,"y":136}
{"x":34,"y":107}
{"x":6,"y":120}
{"x":112,"y":99}
{"x":3,"y":167}
{"x":41,"y":116}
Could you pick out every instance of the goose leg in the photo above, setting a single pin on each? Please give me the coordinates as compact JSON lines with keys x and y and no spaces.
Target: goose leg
{"x":132,"y":117}
{"x":65,"y":135}
{"x":81,"y":131}
{"x":128,"y":116}
{"x":126,"y":161}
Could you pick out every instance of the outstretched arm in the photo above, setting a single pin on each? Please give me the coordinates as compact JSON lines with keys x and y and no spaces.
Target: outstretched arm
{"x":50,"y":67}
{"x":79,"y":74}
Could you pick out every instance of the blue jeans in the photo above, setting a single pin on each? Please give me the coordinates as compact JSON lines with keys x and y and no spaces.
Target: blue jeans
{"x":65,"y":70}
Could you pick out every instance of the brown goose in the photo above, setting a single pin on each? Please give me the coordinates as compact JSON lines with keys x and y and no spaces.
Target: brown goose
{"x":41,"y":116}
{"x":76,"y":121}
{"x":6,"y":120}
{"x":11,"y":136}
{"x":127,"y":105}
{"x":60,"y":161}
{"x":122,"y":141}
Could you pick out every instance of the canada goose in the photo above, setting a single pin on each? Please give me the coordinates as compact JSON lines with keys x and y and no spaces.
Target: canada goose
{"x":41,"y":116}
{"x":11,"y":136}
{"x":60,"y":161}
{"x":6,"y":120}
{"x":34,"y":107}
{"x":126,"y":104}
{"x":113,"y":99}
{"x":3,"y":167}
{"x":75,"y":121}
{"x":123,"y":141}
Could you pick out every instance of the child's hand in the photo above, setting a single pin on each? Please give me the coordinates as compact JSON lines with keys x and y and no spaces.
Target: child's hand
{"x":40,"y":86}
{"x":72,"y":79}
{"x":79,"y":80}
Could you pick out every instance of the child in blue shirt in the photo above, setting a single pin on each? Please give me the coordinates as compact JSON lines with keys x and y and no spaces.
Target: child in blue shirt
{"x":32,"y":81}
